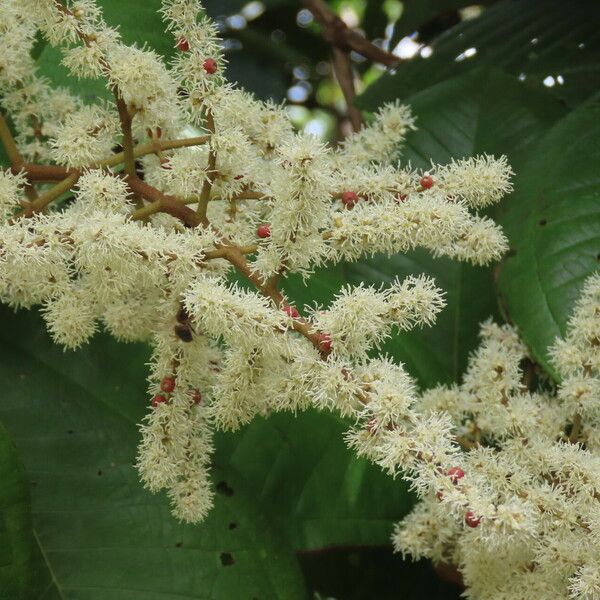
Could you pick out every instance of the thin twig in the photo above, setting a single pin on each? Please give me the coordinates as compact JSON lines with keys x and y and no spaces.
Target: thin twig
{"x":125,"y":119}
{"x":43,"y":173}
{"x":337,"y":33}
{"x":50,"y":195}
{"x":342,"y":67}
{"x":211,"y":171}
{"x":15,"y":157}
{"x":152,"y":147}
{"x":16,"y":160}
{"x":48,"y":173}
{"x":162,"y":203}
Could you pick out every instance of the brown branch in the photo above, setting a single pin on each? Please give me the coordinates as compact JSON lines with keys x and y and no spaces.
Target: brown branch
{"x":152,"y":147}
{"x":125,"y":119}
{"x":162,"y":203}
{"x":50,"y":195}
{"x":43,"y":173}
{"x":15,"y":157}
{"x":337,"y":33}
{"x":16,"y":160}
{"x":233,"y":254}
{"x":211,"y":171}
{"x":251,"y":195}
{"x":449,"y":573}
{"x":345,"y":76}
{"x":223,"y":252}
{"x":48,"y":173}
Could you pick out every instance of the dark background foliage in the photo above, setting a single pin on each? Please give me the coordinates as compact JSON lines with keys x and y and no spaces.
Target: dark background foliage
{"x":296,"y":515}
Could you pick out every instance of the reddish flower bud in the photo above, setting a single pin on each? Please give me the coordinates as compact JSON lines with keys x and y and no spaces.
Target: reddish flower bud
{"x":210,"y":66}
{"x":263,"y":231}
{"x":471,"y":520}
{"x":325,"y":342}
{"x":401,"y":197}
{"x":291,"y":311}
{"x":167,"y":384}
{"x":158,"y":399}
{"x":426,"y":182}
{"x":197,"y":397}
{"x":455,"y":473}
{"x":349,"y":199}
{"x":183,"y":45}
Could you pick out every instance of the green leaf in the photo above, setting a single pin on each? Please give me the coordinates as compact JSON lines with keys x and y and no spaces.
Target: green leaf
{"x":38,"y":46}
{"x":139,"y":23}
{"x":374,"y":20}
{"x":416,"y":13}
{"x":484,"y":111}
{"x":553,"y":220}
{"x":73,"y":417}
{"x":531,"y":38}
{"x":316,"y":490}
{"x":19,"y":554}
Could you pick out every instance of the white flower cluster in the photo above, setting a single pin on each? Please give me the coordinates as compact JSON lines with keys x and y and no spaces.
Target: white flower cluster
{"x":227,"y":186}
{"x":506,"y":467}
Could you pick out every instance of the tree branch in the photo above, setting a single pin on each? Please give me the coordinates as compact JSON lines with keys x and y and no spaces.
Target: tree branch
{"x":162,"y":203}
{"x":50,"y":195}
{"x":337,"y":33}
{"x":16,"y":160}
{"x":211,"y":171}
{"x":345,"y":76}
{"x":125,"y":119}
{"x":15,"y":157}
{"x":152,"y":147}
{"x":575,"y":429}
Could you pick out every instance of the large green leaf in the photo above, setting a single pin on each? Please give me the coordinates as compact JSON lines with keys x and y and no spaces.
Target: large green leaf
{"x":73,"y":417}
{"x":416,"y":13}
{"x":553,"y":221}
{"x":315,"y":489}
{"x":531,"y":38}
{"x":15,"y":530}
{"x":139,"y":23}
{"x":22,"y":574}
{"x":483,"y":111}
